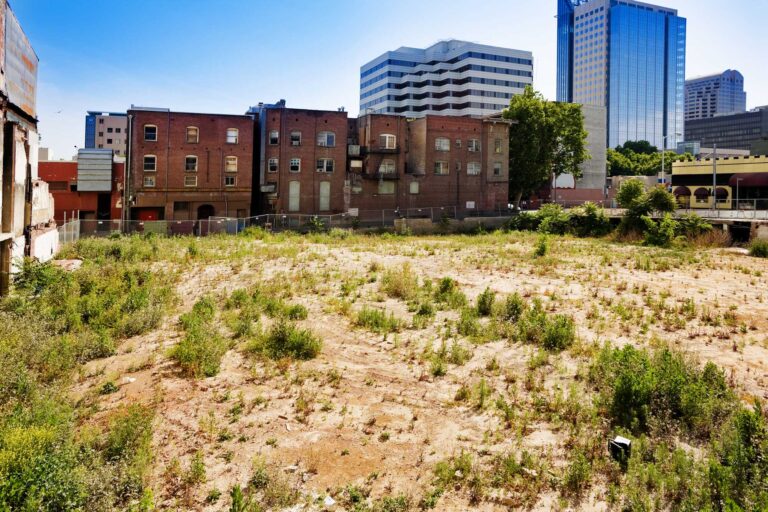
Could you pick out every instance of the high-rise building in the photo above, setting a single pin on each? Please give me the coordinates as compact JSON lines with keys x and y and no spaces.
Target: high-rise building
{"x":713,"y":95}
{"x":629,"y":57}
{"x":746,"y":130}
{"x":106,"y":130}
{"x":453,"y":78}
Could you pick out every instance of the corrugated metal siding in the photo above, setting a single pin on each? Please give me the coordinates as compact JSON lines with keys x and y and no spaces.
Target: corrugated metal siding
{"x":94,"y":170}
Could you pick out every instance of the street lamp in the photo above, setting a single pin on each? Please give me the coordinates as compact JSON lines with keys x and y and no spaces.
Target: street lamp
{"x":663,"y":151}
{"x":737,"y":192}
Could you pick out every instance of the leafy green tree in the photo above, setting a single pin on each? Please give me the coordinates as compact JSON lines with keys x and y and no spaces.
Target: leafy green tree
{"x":630,"y":192}
{"x":640,"y":159}
{"x":545,"y":138}
{"x":638,"y":146}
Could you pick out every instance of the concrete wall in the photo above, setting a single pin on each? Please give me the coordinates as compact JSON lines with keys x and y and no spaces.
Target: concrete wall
{"x":594,"y":170}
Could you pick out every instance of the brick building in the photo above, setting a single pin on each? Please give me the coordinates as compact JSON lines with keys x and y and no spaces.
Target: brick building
{"x":189,"y":166}
{"x":432,"y":161}
{"x":66,"y":180}
{"x":301,"y":160}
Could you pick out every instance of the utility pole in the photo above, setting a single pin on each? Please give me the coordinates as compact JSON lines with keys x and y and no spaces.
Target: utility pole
{"x":714,"y":177}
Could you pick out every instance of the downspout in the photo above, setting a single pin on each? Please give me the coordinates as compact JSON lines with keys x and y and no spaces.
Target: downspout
{"x":127,"y":171}
{"x":167,"y":157}
{"x":27,"y":200}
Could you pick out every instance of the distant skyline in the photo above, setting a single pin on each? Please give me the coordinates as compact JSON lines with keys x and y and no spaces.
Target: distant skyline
{"x":228,"y":55}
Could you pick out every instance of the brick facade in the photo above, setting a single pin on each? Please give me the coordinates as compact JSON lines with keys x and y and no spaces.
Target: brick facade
{"x":210,"y":183}
{"x":61,"y":177}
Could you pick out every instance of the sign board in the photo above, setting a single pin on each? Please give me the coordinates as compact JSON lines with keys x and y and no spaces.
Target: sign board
{"x":20,"y":66}
{"x":470,"y":205}
{"x":353,"y":212}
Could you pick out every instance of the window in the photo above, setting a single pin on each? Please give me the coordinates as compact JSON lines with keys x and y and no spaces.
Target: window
{"x":413,"y":187}
{"x":442,"y":144}
{"x":325,"y":196}
{"x":325,"y":165}
{"x":230,"y":164}
{"x":149,"y":181}
{"x":441,"y":168}
{"x":109,"y":141}
{"x":190,"y":181}
{"x":229,"y":181}
{"x":101,"y":121}
{"x":110,"y":130}
{"x":326,"y":139}
{"x":497,"y":168}
{"x":497,"y":146}
{"x":150,"y":163}
{"x":274,"y":138}
{"x":473,"y":168}
{"x":474,"y":145}
{"x":232,"y":135}
{"x":387,"y":141}
{"x":272,"y":165}
{"x":458,"y":143}
{"x":101,"y":134}
{"x":295,"y":138}
{"x":294,"y":196}
{"x":190,"y":164}
{"x":295,"y":165}
{"x":386,"y":187}
{"x":150,"y":133}
{"x":117,"y":130}
{"x":181,"y":206}
{"x":101,"y":146}
{"x":387,"y":166}
{"x":193,"y":135}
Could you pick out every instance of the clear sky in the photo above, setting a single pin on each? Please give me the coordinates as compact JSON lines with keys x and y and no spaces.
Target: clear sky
{"x":225,"y":55}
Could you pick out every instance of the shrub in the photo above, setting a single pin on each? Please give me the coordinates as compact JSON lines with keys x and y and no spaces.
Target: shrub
{"x":662,"y":233}
{"x":448,"y":292}
{"x":200,"y":351}
{"x":285,"y":340}
{"x":559,"y":333}
{"x":553,"y":220}
{"x":759,"y":248}
{"x":523,"y":221}
{"x":485,"y":302}
{"x":468,"y":324}
{"x":400,"y":283}
{"x":513,"y":308}
{"x":692,"y":226}
{"x":377,"y":320}
{"x":630,"y":192}
{"x":590,"y":220}
{"x":542,"y":247}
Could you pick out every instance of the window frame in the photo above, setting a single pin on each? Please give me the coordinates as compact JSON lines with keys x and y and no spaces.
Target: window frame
{"x":474,"y":146}
{"x":297,"y":134}
{"x":150,"y":179}
{"x":444,"y":169}
{"x":382,"y":169}
{"x":188,"y":181}
{"x":387,"y":184}
{"x":386,"y":137}
{"x":145,"y":132}
{"x":324,"y":168}
{"x":231,"y":177}
{"x":411,"y":187}
{"x":277,"y":164}
{"x":440,"y":146}
{"x":500,"y":167}
{"x":154,"y":163}
{"x":236,"y":132}
{"x":187,"y":159}
{"x":474,"y":168}
{"x":497,"y":146}
{"x":227,"y":159}
{"x":324,"y":143}
{"x":276,"y":138}
{"x":197,"y":135}
{"x":291,"y":165}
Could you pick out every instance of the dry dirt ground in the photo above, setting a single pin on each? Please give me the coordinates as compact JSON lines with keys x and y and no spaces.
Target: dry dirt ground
{"x":368,"y":410}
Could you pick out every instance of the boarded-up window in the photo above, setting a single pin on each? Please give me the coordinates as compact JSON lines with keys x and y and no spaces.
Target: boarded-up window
{"x":386,"y":187}
{"x":230,"y":164}
{"x":294,"y":196}
{"x":325,"y":196}
{"x":193,"y":135}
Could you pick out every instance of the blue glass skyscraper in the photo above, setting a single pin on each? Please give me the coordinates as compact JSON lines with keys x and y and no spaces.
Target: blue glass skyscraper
{"x":629,"y":57}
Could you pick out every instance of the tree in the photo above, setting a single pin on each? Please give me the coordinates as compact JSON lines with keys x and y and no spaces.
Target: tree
{"x":638,"y":146}
{"x":641,"y":159}
{"x":546,"y":138}
{"x":630,"y":192}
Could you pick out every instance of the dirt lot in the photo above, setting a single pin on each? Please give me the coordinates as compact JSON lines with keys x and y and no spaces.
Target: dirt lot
{"x":372,"y":412}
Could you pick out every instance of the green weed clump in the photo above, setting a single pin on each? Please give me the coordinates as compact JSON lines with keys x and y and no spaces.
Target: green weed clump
{"x":542,"y":246}
{"x":200,"y":351}
{"x":553,"y":332}
{"x":400,"y":283}
{"x":285,"y":340}
{"x":759,"y":248}
{"x":377,"y":320}
{"x":485,"y":302}
{"x":448,"y":293}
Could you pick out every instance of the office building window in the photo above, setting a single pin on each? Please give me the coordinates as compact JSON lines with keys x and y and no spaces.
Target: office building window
{"x":193,"y":135}
{"x":117,"y":130}
{"x":150,"y":163}
{"x":109,"y":141}
{"x":497,"y":146}
{"x":473,"y":168}
{"x":386,"y":187}
{"x":110,"y":130}
{"x":190,"y":164}
{"x":325,"y":165}
{"x":326,"y":139}
{"x":442,"y":144}
{"x":295,"y":165}
{"x":230,"y":164}
{"x":232,"y":135}
{"x":387,"y":141}
{"x":229,"y":181}
{"x":150,"y":133}
{"x":274,"y":138}
{"x":272,"y":165}
{"x":190,"y":181}
{"x":149,"y":181}
{"x":295,"y":138}
{"x":441,"y":168}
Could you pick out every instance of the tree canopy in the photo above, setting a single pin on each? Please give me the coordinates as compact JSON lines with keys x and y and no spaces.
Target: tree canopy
{"x":546,"y":138}
{"x":640,"y":158}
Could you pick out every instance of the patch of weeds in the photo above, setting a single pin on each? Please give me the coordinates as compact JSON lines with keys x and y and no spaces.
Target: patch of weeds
{"x":758,"y":248}
{"x":485,"y":300}
{"x":448,"y":293}
{"x":285,"y":340}
{"x":200,"y":351}
{"x":400,"y":283}
{"x":377,"y":320}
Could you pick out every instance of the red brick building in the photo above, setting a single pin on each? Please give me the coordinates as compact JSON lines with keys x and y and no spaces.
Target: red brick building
{"x":69,"y":202}
{"x":301,"y":160}
{"x":432,"y":161}
{"x":188,"y":166}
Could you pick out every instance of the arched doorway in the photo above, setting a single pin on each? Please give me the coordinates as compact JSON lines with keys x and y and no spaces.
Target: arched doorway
{"x":204,"y":211}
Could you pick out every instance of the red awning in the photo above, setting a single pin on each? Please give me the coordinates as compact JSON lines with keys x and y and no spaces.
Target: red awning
{"x":721,"y":193}
{"x":682,"y":191}
{"x":750,"y":179}
{"x":701,"y":192}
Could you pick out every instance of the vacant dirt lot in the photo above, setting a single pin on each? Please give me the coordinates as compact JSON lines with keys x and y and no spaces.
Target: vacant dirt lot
{"x":375,"y":411}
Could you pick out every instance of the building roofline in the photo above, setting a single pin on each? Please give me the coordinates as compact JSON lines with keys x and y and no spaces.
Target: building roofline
{"x":169,"y":111}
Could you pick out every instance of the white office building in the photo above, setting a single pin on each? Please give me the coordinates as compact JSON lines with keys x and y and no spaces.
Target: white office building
{"x":454,"y":78}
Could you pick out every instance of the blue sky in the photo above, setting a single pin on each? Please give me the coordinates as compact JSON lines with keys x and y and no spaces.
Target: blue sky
{"x":224,"y":55}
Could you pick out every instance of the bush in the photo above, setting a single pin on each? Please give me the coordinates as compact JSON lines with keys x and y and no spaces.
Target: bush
{"x":542,"y":247}
{"x":400,"y":283}
{"x":285,"y":340}
{"x":468,"y":324}
{"x":485,"y":302}
{"x":377,"y":320}
{"x":513,"y":308}
{"x":448,"y":293}
{"x":692,"y":226}
{"x":554,"y":220}
{"x":559,"y":333}
{"x":200,"y":351}
{"x":630,"y":192}
{"x":523,"y":221}
{"x":662,"y":233}
{"x":590,"y":220}
{"x":759,"y":248}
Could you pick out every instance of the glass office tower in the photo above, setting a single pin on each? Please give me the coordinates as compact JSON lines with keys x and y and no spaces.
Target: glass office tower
{"x":629,"y":57}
